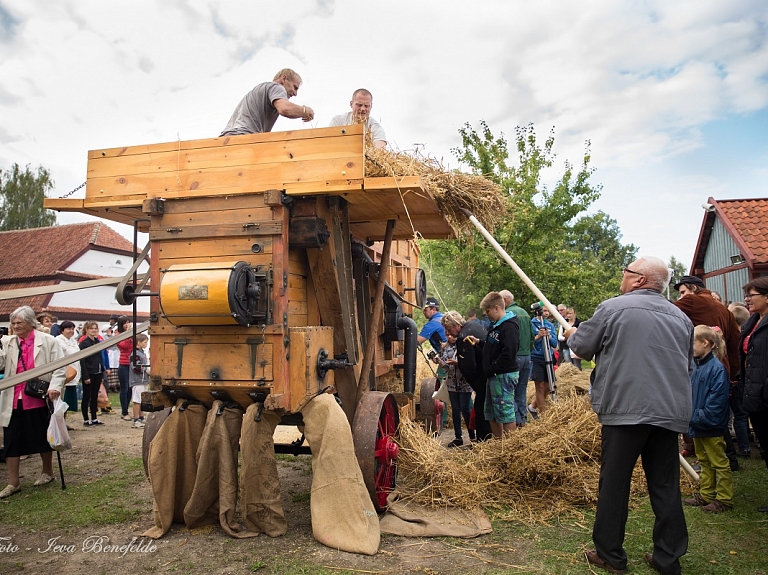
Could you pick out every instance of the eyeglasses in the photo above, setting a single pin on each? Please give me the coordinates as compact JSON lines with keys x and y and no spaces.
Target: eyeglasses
{"x":629,"y":271}
{"x":751,"y":295}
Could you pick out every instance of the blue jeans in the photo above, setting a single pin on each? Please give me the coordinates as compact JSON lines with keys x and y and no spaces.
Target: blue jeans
{"x":521,"y":389}
{"x":460,"y":407}
{"x":123,"y":374}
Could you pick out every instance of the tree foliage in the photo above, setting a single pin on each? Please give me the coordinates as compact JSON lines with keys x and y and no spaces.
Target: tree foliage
{"x":572,"y":257}
{"x":21,"y":198}
{"x":679,"y":270}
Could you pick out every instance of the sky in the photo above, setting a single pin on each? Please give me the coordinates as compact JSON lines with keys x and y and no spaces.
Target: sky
{"x":672,"y":96}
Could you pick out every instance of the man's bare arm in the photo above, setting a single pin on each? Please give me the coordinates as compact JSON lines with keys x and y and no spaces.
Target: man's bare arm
{"x":289,"y":110}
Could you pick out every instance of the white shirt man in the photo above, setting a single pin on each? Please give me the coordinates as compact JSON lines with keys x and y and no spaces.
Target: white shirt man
{"x":361,"y":104}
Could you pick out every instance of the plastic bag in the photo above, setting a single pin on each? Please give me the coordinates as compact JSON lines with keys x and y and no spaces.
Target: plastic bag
{"x":58,"y":436}
{"x":102,"y":400}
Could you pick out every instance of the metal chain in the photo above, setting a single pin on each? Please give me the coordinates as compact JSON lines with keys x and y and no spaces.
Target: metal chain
{"x":73,"y":191}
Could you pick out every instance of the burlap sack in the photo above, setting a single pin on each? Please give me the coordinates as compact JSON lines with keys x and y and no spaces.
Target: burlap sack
{"x":172,"y":466}
{"x":214,"y":497}
{"x":411,"y":520}
{"x":343,"y":516}
{"x":260,"y":502}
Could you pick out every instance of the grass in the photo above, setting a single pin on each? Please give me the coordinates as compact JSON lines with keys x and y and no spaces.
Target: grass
{"x":104,"y":501}
{"x":728,"y":543}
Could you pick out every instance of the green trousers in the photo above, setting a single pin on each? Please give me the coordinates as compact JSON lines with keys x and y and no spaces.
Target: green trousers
{"x":716,"y":475}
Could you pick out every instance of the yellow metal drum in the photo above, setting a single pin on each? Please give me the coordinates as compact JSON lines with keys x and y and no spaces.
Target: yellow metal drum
{"x":221,"y":293}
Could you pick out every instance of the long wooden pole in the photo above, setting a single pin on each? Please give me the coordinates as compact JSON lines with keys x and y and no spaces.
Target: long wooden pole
{"x":521,"y":274}
{"x":378,"y":305}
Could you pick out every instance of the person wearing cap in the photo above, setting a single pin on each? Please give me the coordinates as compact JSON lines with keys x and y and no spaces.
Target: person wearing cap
{"x":697,"y":303}
{"x":433,"y":331}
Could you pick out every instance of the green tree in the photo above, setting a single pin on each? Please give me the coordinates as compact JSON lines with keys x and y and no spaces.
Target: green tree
{"x":573,"y":258}
{"x":678,"y":271}
{"x":21,"y":198}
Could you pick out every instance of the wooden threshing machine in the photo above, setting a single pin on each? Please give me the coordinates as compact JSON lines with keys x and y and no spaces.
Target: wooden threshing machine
{"x":265,"y":261}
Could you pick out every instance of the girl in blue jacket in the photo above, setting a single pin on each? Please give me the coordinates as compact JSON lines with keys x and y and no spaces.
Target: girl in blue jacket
{"x":711,"y":389}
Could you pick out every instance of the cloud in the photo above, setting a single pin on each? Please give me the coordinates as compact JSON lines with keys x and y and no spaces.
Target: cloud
{"x":640,"y":80}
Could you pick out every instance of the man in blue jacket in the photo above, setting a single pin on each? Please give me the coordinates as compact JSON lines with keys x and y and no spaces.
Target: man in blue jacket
{"x":643,"y":348}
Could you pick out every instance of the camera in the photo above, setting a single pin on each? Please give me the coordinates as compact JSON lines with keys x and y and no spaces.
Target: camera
{"x":3,"y":331}
{"x":537,"y":309}
{"x":432,"y":354}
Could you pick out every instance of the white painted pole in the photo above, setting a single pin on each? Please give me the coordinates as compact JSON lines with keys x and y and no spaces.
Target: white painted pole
{"x":521,"y":274}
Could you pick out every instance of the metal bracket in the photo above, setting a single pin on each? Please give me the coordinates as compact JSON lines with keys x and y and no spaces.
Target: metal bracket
{"x":253,"y":344}
{"x":180,"y":343}
{"x":324,"y":364}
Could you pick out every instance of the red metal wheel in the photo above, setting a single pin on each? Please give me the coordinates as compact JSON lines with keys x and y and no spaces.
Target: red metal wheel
{"x":374,"y":431}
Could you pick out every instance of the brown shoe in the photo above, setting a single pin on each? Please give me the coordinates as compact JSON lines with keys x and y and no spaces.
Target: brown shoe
{"x":598,"y":561}
{"x":697,"y":501}
{"x":716,"y":507}
{"x":651,"y":564}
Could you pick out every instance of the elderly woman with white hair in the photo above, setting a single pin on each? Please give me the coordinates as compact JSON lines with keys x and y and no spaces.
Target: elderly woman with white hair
{"x":25,"y":418}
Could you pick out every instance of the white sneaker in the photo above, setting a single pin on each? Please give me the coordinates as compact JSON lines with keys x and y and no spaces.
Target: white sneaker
{"x":137,"y":424}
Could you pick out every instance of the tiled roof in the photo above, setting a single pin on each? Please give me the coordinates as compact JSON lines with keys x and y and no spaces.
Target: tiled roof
{"x":35,"y":302}
{"x":750,"y":220}
{"x":39,"y":252}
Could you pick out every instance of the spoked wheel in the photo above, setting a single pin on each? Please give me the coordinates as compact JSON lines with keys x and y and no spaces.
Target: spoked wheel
{"x":154,"y":421}
{"x":374,"y":430}
{"x":427,"y":404}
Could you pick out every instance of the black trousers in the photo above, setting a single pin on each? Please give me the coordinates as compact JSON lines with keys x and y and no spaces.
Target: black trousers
{"x":621,"y":446}
{"x":759,"y":421}
{"x":91,"y":395}
{"x":482,"y":427}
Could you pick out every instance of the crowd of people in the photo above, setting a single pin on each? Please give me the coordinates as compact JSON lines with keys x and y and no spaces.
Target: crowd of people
{"x":506,"y":346}
{"x":661,"y":369}
{"x":37,"y":340}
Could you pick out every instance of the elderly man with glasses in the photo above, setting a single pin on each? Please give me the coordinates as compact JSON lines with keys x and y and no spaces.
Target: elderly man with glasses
{"x":643,"y":349}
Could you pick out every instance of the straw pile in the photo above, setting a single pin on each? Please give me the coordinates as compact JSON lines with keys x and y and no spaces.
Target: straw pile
{"x":452,"y":190}
{"x":550,"y":466}
{"x":571,"y":381}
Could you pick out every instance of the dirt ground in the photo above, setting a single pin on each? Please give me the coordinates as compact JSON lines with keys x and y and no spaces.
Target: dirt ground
{"x":209,"y":550}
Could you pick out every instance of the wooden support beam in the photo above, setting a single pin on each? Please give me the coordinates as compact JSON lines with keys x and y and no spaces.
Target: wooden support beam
{"x":378,"y":305}
{"x":331,"y":271}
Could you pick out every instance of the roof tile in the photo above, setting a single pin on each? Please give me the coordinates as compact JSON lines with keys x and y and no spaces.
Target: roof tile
{"x":39,"y":252}
{"x":750,"y":219}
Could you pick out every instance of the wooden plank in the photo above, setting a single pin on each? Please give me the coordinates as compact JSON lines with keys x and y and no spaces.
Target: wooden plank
{"x":297,"y":307}
{"x":314,"y":188}
{"x":248,"y":228}
{"x":253,"y":260}
{"x":221,"y":333}
{"x":217,"y":362}
{"x":220,"y":180}
{"x":214,"y":216}
{"x":306,"y":343}
{"x":229,"y":247}
{"x":297,"y":320}
{"x":241,"y":155}
{"x":245,"y":139}
{"x":211,"y":206}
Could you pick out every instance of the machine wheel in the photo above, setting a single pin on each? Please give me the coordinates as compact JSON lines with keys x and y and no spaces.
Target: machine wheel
{"x":154,"y":421}
{"x":373,"y":432}
{"x":427,"y":404}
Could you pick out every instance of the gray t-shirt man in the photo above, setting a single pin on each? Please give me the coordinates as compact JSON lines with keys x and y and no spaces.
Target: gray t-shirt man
{"x":255,"y":113}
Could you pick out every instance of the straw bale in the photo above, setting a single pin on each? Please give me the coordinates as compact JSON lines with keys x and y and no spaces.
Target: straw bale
{"x":451,"y":189}
{"x":548,"y":467}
